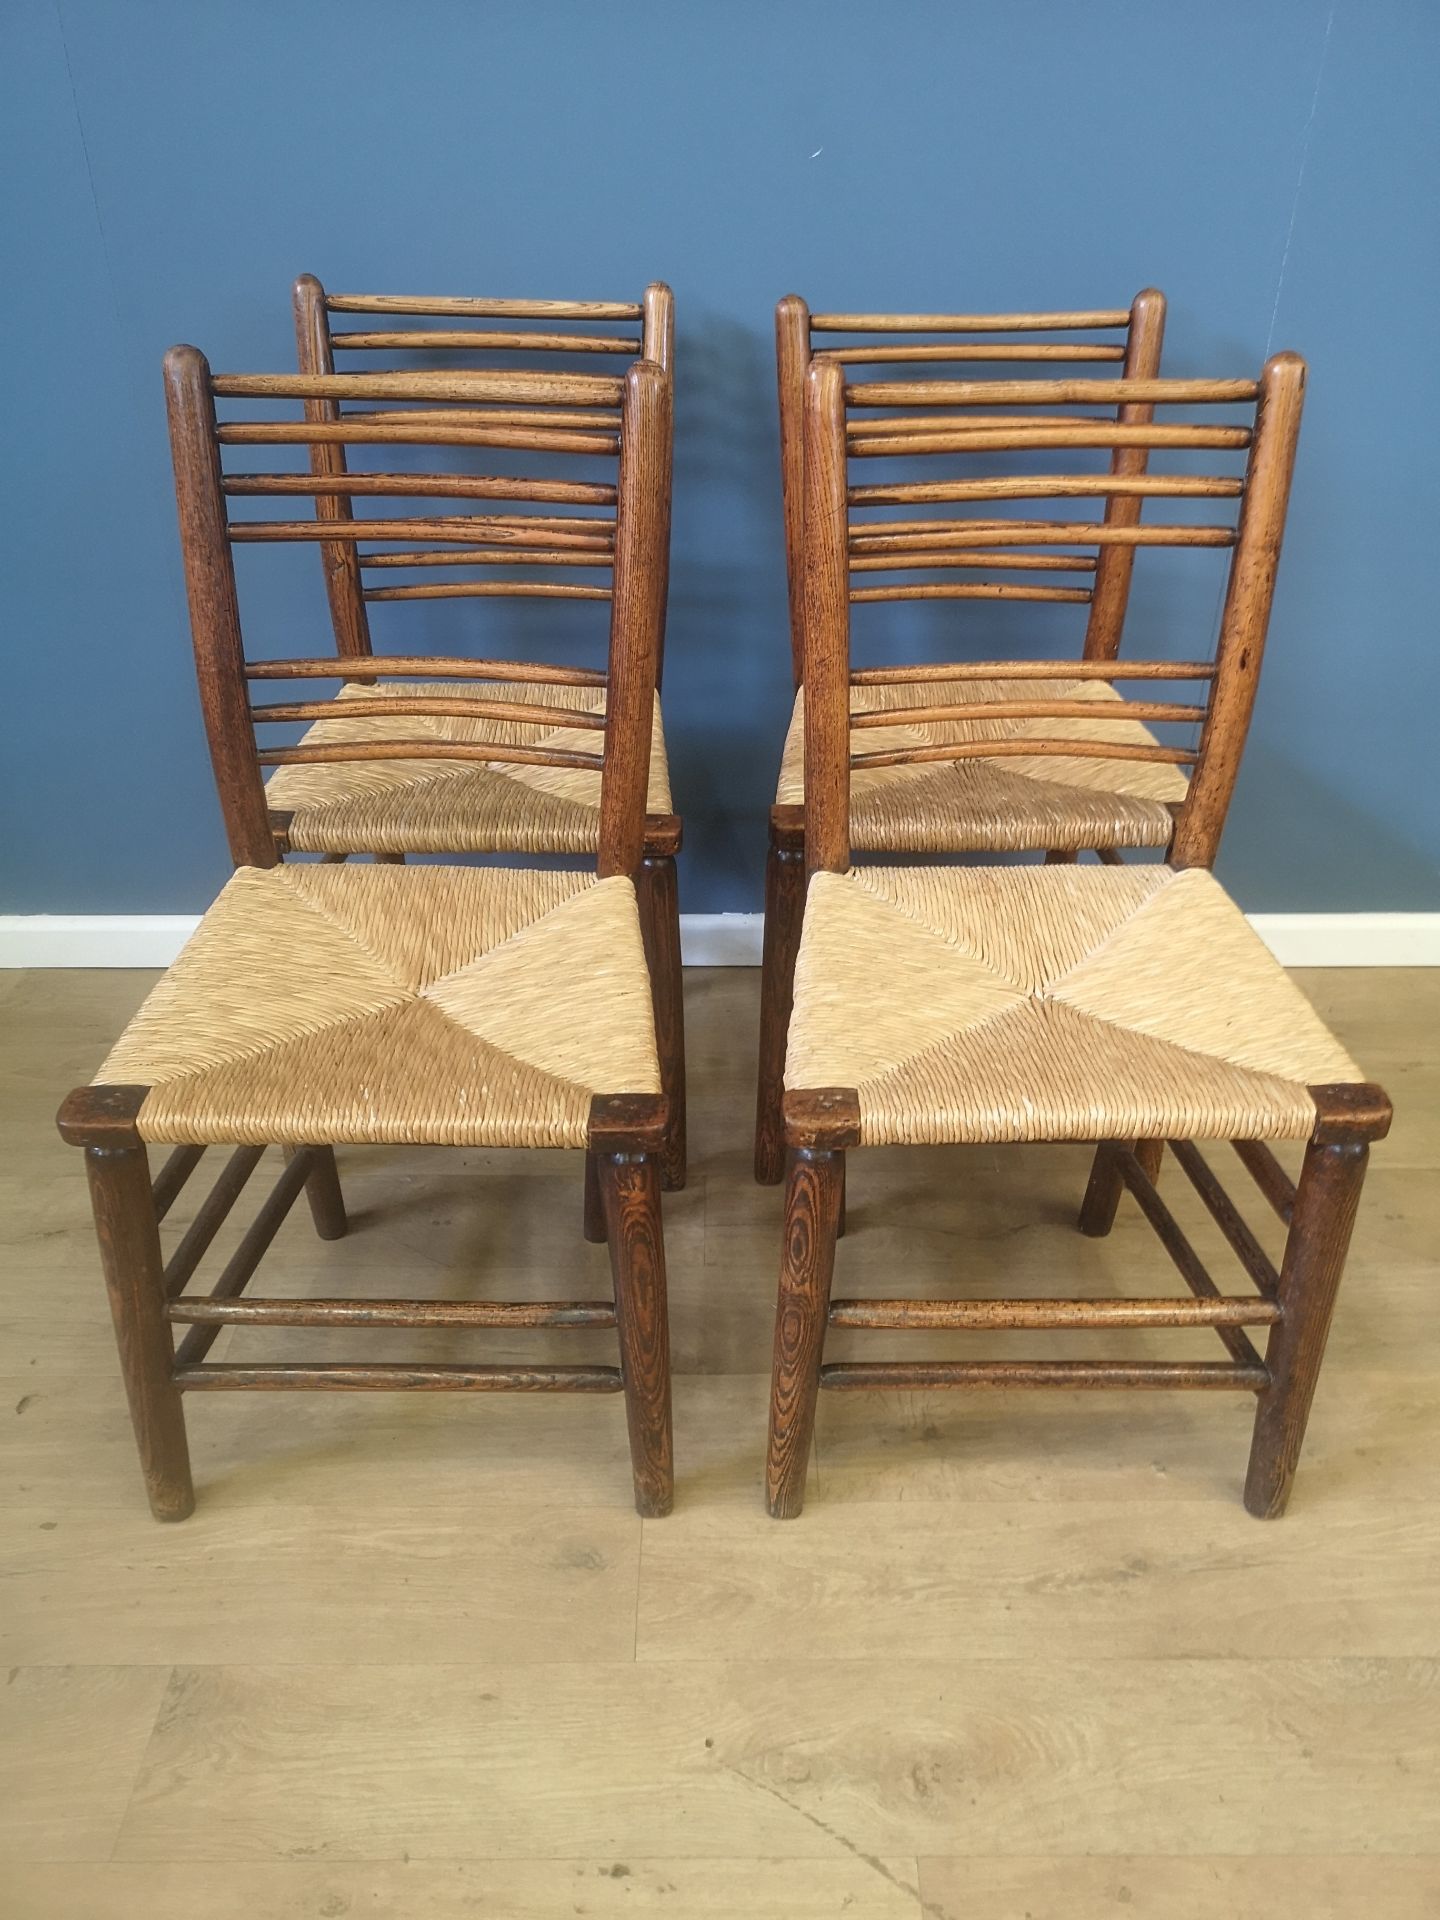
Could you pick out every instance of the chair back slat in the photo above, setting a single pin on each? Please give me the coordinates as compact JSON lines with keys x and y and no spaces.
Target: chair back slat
{"x":631,"y":542}
{"x":841,"y":541}
{"x":1141,"y":326}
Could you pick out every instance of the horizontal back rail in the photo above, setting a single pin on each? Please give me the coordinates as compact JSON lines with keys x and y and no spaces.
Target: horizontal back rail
{"x":467,"y":384}
{"x":997,"y":351}
{"x":1077,"y":322}
{"x":523,"y":530}
{"x":439,"y":306}
{"x":422,"y":486}
{"x":431,"y":339}
{"x":1042,"y":393}
{"x":379,"y":666}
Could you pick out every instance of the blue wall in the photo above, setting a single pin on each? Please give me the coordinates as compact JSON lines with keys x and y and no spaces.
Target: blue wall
{"x":1270,"y":163}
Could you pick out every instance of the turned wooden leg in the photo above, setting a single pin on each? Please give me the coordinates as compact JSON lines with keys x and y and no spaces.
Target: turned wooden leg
{"x":1102,"y":1195}
{"x":594,"y":1205}
{"x":1326,"y":1200}
{"x":659,"y":900}
{"x":129,"y":1237}
{"x":322,"y":1191}
{"x":784,"y":918}
{"x":813,"y":1191}
{"x":630,"y":1192}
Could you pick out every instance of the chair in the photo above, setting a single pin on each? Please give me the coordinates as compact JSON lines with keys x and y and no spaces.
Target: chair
{"x":1117,"y":1004}
{"x":447,"y":807}
{"x":324,"y":1004}
{"x":979,"y":805}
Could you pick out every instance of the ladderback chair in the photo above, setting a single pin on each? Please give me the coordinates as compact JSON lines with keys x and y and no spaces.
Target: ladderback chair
{"x":979,"y":805}
{"x":329,"y":1004}
{"x":440,"y":807}
{"x":1117,"y":1004}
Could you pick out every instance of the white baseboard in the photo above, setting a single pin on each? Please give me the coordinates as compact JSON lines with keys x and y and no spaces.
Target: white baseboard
{"x":710,"y":939}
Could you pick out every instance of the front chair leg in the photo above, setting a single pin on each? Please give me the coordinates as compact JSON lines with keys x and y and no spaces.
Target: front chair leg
{"x":784,"y":918}
{"x":1326,"y":1200}
{"x":129,"y":1237}
{"x":814,"y":1190}
{"x":630,"y":1194}
{"x":322,"y":1191}
{"x":659,"y":900}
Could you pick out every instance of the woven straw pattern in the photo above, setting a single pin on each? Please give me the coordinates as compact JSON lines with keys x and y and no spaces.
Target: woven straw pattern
{"x":442,"y":1006}
{"x":1051,"y":1003}
{"x":990,"y":806}
{"x":450,"y":806}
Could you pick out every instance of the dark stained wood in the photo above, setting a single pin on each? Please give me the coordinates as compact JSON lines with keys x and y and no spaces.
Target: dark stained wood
{"x":637,"y":617}
{"x":627,"y":1123}
{"x":1077,"y":709}
{"x":1326,"y":1201}
{"x":792,"y":357}
{"x":483,"y":309}
{"x":1042,"y":486}
{"x":330,"y":753}
{"x":397,"y":1376}
{"x":822,"y":1117}
{"x":1043,"y":393}
{"x":172,"y":1177}
{"x":210,"y":1216}
{"x":1034,"y":670}
{"x":1077,"y":321}
{"x":365,"y":431}
{"x":971,"y":590}
{"x":657,"y":331}
{"x":337,"y":557}
{"x":1025,"y":748}
{"x":812,"y":1209}
{"x":925,"y":1376}
{"x":214,"y":609}
{"x":1227,"y":1216}
{"x":1269,"y":1176}
{"x":590,"y":533}
{"x":630,"y":1195}
{"x":921,"y":1315}
{"x":323,"y":1195}
{"x":490,"y":590}
{"x":995,"y":350}
{"x":101,"y":1116}
{"x":490,"y":557}
{"x":784,"y":916}
{"x":423,"y":486}
{"x":826,"y":626}
{"x":1116,"y":563}
{"x":403,"y":705}
{"x":659,"y":902}
{"x":1245,"y":618}
{"x":129,"y":1237}
{"x":594,"y":1213}
{"x":512,"y":388}
{"x":394,"y":1313}
{"x":900,"y":536}
{"x":425,"y":667}
{"x":239,"y":1269}
{"x":1355,"y":1110}
{"x":428,"y":339}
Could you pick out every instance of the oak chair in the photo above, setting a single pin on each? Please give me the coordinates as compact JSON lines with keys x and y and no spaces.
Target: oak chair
{"x":324,"y":1004}
{"x":984,"y":805}
{"x":1116,"y":1004}
{"x":439,"y":806}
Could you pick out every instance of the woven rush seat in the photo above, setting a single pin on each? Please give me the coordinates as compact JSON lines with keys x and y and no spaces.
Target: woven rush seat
{"x":450,"y":806}
{"x":1051,"y":1003}
{"x":428,"y":1005}
{"x":1011,"y":804}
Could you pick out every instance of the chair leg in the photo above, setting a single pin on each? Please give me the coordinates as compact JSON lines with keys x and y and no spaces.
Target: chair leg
{"x":594,"y":1204}
{"x":630,"y":1192}
{"x":814,"y":1190}
{"x":322,"y":1191}
{"x":1326,"y":1200}
{"x":129,"y":1237}
{"x":784,"y":918}
{"x":659,"y":900}
{"x":1102,"y":1195}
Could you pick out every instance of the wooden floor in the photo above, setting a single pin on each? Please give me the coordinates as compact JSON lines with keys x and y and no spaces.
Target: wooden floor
{"x":1024,"y":1655}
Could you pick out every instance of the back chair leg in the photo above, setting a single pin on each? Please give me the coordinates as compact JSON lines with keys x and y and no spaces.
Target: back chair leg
{"x":630,"y":1193}
{"x":594,"y":1203}
{"x":659,"y":900}
{"x":784,"y":917}
{"x":1102,"y":1195}
{"x":1326,"y":1200}
{"x":814,"y":1193}
{"x":129,"y":1236}
{"x":322,"y":1191}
